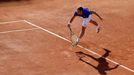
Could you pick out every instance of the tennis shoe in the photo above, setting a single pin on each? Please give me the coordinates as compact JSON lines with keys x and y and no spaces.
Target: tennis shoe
{"x":77,"y":41}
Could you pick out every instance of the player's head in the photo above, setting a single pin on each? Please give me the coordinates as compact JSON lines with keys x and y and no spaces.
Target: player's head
{"x":80,"y":10}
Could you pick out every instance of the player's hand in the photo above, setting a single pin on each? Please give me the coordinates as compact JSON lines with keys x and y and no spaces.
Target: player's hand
{"x":69,"y":25}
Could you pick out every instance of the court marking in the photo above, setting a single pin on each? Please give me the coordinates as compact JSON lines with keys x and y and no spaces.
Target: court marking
{"x":89,"y":50}
{"x":11,"y":21}
{"x":19,"y":30}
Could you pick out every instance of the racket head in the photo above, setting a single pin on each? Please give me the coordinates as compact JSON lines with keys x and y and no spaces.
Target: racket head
{"x":74,"y":38}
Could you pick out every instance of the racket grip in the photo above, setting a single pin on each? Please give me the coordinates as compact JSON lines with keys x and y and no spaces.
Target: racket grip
{"x":70,"y":29}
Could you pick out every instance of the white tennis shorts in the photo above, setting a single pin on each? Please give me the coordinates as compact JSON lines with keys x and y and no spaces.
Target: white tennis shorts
{"x":86,"y":21}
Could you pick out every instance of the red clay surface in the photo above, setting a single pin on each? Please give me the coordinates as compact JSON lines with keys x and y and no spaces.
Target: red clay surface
{"x":36,"y":52}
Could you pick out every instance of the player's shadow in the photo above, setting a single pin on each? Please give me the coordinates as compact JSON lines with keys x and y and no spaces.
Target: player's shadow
{"x":102,"y":66}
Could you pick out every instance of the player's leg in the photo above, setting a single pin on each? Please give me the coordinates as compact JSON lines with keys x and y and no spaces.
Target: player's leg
{"x":82,"y":32}
{"x":96,"y":24}
{"x":84,"y":25}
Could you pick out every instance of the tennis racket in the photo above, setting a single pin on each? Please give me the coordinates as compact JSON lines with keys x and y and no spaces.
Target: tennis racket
{"x":73,"y":37}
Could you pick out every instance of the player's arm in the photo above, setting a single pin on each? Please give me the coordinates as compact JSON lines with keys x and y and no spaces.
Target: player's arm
{"x":71,"y":20}
{"x":69,"y":23}
{"x":93,"y":12}
{"x":114,"y":67}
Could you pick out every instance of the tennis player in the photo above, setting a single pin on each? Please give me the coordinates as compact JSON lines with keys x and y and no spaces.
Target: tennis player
{"x":85,"y":13}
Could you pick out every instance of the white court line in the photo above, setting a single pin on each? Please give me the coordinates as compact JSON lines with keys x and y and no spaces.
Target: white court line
{"x":21,"y":30}
{"x":11,"y":22}
{"x":77,"y":45}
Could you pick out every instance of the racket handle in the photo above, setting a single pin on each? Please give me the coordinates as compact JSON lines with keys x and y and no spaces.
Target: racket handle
{"x":70,"y":29}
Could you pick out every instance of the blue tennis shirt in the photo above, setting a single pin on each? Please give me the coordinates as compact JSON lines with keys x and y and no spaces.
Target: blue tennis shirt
{"x":85,"y":14}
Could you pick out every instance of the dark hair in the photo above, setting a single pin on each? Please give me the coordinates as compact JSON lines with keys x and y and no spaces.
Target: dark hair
{"x":80,"y":9}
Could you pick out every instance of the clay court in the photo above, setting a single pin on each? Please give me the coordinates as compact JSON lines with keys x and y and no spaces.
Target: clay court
{"x":34,"y":38}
